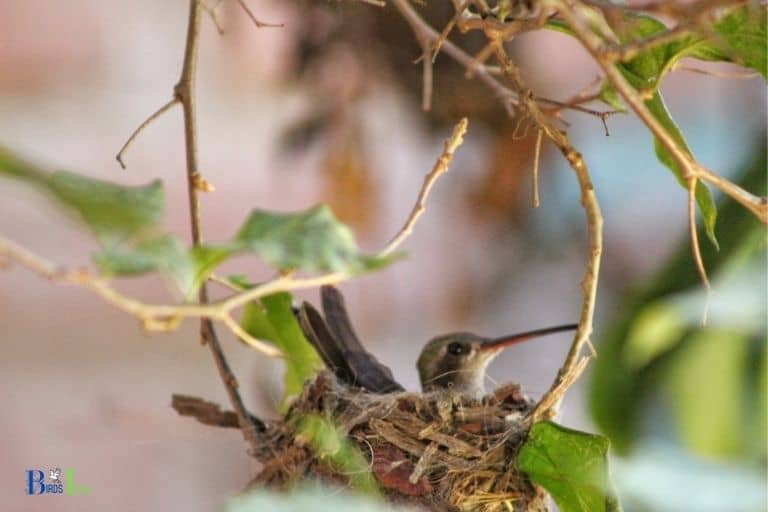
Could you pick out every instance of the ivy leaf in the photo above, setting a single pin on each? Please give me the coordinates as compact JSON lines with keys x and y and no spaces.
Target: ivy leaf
{"x":187,"y":268}
{"x":115,"y":213}
{"x":312,"y":240}
{"x":708,"y":374}
{"x":272,"y":319}
{"x":14,"y":167}
{"x":571,"y":465}
{"x":745,"y":34}
{"x":655,"y":330}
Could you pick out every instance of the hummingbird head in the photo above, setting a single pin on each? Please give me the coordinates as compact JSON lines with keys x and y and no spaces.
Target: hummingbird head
{"x":454,"y":361}
{"x":457,"y":361}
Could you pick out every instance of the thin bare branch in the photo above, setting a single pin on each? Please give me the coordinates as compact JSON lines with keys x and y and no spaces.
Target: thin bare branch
{"x":691,"y":186}
{"x":536,"y":161}
{"x":207,"y":413}
{"x":162,"y":110}
{"x":427,"y":78}
{"x":262,"y":346}
{"x":738,"y":75}
{"x":424,"y":32}
{"x":546,"y":409}
{"x":213,"y":13}
{"x":255,"y":20}
{"x":184,"y":91}
{"x":440,"y":167}
{"x":628,"y":51}
{"x":756,"y":204}
{"x":547,"y":406}
{"x":438,"y":43}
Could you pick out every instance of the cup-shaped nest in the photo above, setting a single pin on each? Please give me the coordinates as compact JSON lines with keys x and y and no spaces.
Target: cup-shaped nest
{"x":440,"y":450}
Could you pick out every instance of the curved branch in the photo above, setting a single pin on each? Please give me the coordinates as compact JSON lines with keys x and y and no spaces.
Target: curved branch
{"x":572,"y":367}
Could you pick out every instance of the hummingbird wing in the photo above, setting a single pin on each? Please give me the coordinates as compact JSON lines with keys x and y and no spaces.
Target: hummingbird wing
{"x":366,"y":370}
{"x":317,"y":333}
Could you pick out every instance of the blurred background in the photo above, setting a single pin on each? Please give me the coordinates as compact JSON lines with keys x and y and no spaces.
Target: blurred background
{"x":326,"y":109}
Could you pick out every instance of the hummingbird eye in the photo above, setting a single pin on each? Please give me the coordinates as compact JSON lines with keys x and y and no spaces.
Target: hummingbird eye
{"x":457,"y":349}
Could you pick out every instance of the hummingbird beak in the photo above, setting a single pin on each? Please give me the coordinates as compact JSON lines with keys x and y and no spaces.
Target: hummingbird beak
{"x":497,"y":344}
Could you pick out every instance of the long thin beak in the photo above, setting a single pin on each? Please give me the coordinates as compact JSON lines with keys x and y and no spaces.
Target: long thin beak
{"x":505,"y":341}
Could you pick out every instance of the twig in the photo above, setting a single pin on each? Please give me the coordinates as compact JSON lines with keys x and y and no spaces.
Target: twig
{"x":628,"y":51}
{"x":438,"y":43}
{"x":207,"y":413}
{"x":184,"y":91}
{"x":440,"y":167}
{"x":719,"y":74}
{"x":162,"y":110}
{"x":691,"y":186}
{"x":536,"y":160}
{"x":757,"y":205}
{"x":246,"y":338}
{"x":226,"y":283}
{"x":424,"y":32}
{"x":213,"y":13}
{"x":547,"y":406}
{"x":256,"y":21}
{"x":427,"y":77}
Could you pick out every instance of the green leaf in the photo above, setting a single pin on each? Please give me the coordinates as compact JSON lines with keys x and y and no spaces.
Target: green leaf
{"x":707,"y":375}
{"x":329,"y":443}
{"x":703,"y":196}
{"x":272,"y":319}
{"x":657,"y":328}
{"x":166,"y":254}
{"x":571,"y":465}
{"x":745,"y":34}
{"x":115,"y":213}
{"x":205,"y":259}
{"x":611,"y":97}
{"x":312,"y":240}
{"x":14,"y":167}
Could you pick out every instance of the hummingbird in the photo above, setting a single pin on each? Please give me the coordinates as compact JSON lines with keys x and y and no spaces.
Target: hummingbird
{"x":454,"y":362}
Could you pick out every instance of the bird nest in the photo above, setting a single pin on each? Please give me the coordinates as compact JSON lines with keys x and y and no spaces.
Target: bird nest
{"x":439,"y":450}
